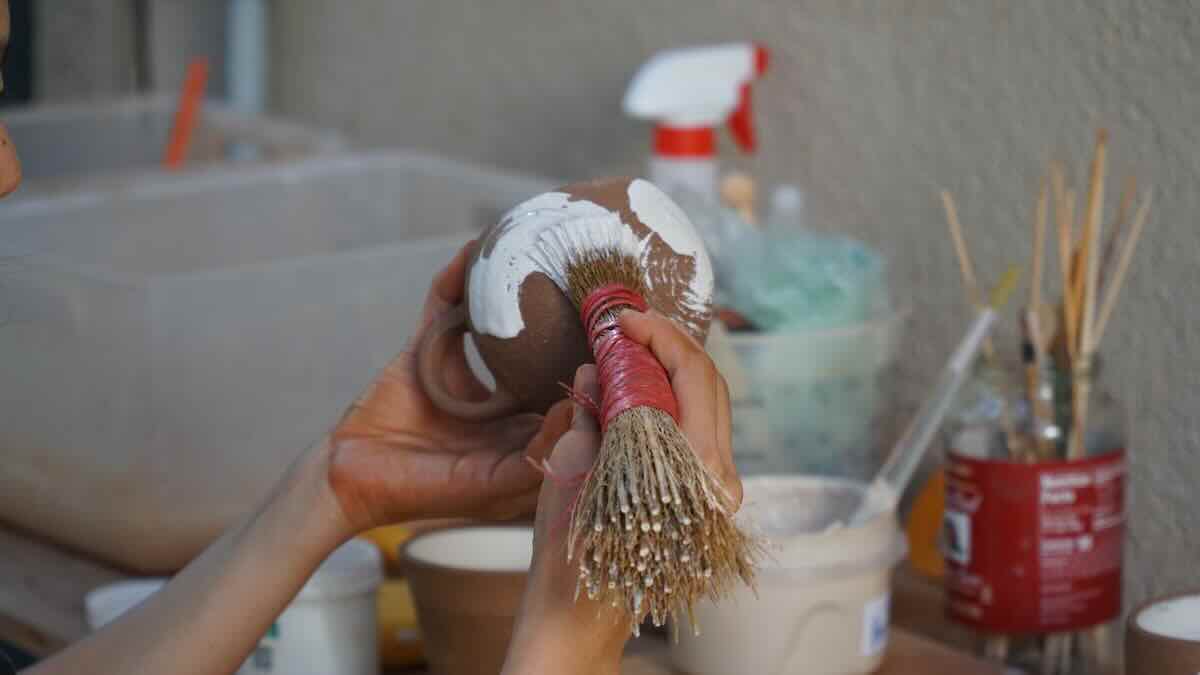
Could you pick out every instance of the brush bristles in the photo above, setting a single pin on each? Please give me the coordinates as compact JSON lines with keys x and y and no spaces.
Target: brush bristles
{"x":592,"y":269}
{"x":653,"y":527}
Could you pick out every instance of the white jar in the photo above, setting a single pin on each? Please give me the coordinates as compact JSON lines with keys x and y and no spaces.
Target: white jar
{"x":821,"y":606}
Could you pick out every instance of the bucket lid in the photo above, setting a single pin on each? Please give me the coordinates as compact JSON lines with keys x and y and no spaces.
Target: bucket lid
{"x":355,"y":567}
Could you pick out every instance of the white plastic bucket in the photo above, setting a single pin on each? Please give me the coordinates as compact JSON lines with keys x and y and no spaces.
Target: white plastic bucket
{"x":821,"y":606}
{"x":330,"y":627}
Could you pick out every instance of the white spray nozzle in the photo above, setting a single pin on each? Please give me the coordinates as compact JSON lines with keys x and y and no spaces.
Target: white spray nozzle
{"x":698,"y":88}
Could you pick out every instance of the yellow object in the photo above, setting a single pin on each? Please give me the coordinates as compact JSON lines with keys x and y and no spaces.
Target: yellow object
{"x":399,"y":636}
{"x":925,"y":527}
{"x":1005,"y":287}
{"x":389,"y":538}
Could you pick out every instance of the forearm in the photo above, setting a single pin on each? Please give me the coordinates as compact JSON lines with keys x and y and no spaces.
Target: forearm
{"x":210,"y":616}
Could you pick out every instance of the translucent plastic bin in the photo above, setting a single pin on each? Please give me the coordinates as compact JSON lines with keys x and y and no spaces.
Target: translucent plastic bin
{"x":167,"y":348}
{"x":810,"y":401}
{"x":62,"y":145}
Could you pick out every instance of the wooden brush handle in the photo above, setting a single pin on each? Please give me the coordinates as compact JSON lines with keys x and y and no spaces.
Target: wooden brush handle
{"x":431,"y":354}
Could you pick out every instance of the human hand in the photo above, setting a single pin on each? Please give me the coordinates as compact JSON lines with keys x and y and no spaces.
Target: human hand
{"x":555,"y":631}
{"x":395,"y":456}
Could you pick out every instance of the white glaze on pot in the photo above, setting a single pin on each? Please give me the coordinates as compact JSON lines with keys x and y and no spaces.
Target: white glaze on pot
{"x":535,"y":235}
{"x":653,"y":207}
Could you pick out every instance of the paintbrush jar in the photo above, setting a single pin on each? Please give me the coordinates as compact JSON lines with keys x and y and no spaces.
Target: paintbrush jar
{"x":1033,"y":542}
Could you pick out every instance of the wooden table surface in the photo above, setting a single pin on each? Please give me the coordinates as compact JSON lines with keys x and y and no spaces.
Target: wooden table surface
{"x":41,"y":610}
{"x":907,"y":654}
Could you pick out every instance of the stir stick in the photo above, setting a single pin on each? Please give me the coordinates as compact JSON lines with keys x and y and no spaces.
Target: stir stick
{"x":1113,"y":291}
{"x":1040,"y":331}
{"x":1064,"y":212}
{"x":1128,"y":193}
{"x":995,"y":646}
{"x":191,"y":99}
{"x":1087,"y":340}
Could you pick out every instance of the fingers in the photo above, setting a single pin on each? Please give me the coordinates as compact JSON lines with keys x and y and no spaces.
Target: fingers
{"x":586,"y":384}
{"x":449,"y":286}
{"x":674,"y":349}
{"x":10,"y":166}
{"x":701,"y":391}
{"x":511,"y":509}
{"x":555,"y":424}
{"x":573,"y":455}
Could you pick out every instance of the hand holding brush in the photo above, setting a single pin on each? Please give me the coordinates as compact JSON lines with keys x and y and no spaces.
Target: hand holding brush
{"x":555,"y":632}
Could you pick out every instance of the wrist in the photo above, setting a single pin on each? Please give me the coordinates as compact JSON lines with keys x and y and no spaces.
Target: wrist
{"x":563,"y":635}
{"x":557,"y":645}
{"x":303,"y":508}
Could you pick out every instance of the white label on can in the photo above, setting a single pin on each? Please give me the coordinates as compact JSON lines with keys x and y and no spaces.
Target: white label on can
{"x":875,"y":625}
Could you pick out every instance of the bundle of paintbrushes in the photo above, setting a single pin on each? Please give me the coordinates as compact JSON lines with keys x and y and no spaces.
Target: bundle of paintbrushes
{"x":1060,"y":340}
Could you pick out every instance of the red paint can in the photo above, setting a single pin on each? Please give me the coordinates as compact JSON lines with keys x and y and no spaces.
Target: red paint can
{"x":1034,"y":547}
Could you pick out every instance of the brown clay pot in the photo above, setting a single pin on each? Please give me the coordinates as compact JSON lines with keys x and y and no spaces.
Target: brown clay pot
{"x":530,"y":367}
{"x":466,"y":612}
{"x":1148,"y":653}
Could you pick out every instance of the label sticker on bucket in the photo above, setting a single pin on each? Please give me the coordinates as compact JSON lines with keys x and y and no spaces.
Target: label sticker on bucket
{"x":875,"y":625}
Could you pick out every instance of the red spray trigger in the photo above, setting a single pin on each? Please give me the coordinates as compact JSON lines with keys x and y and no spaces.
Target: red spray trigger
{"x":741,"y":122}
{"x":741,"y":127}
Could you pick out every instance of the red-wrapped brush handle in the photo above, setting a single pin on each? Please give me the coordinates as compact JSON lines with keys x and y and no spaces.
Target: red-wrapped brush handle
{"x":628,"y":373}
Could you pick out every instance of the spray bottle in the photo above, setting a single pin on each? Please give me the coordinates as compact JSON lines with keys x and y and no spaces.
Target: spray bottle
{"x":688,"y":93}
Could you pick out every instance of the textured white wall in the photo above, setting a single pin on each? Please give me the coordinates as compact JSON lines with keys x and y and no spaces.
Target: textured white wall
{"x":871,"y":106}
{"x":85,"y":49}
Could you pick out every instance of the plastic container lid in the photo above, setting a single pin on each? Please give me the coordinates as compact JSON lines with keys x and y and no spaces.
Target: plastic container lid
{"x":356,"y":567}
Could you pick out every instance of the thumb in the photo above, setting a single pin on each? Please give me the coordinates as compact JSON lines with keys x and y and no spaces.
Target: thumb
{"x":573,"y":455}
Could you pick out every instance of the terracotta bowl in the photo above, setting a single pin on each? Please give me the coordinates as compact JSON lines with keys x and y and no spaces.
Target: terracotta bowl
{"x":467,"y":582}
{"x":1162,"y":636}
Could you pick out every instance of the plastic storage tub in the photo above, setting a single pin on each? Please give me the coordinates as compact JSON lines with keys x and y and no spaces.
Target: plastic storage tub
{"x":823,"y":593}
{"x":810,"y":401}
{"x":168,"y":347}
{"x":63,"y":145}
